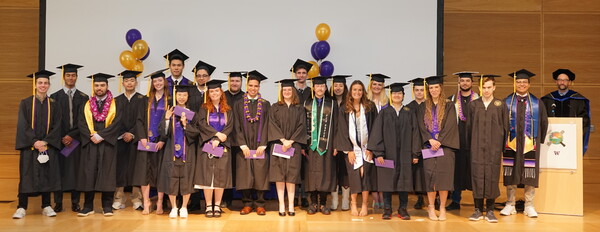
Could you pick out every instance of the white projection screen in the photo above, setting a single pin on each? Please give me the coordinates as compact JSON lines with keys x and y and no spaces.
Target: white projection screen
{"x":401,"y":39}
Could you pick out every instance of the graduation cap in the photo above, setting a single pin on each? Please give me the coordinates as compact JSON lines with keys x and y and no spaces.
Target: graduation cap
{"x":319,"y":80}
{"x":521,"y":74}
{"x":129,"y":74}
{"x":465,"y":74}
{"x":213,"y":84}
{"x":183,"y":88}
{"x":69,"y":68}
{"x":340,"y":78}
{"x":417,"y":81}
{"x":377,"y":77}
{"x":567,"y":72}
{"x":100,"y":77}
{"x":202,"y":65}
{"x":433,"y":80}
{"x":255,"y":75}
{"x":490,"y":76}
{"x":176,"y":55}
{"x":300,"y":64}
{"x":236,"y":74}
{"x":157,"y":74}
{"x":396,"y":87}
{"x":284,"y":83}
{"x":41,"y":74}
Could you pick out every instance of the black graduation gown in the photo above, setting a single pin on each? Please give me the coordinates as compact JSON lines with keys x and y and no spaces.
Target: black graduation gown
{"x":487,"y":132}
{"x":575,"y":105}
{"x":462,"y":162}
{"x":69,"y":165}
{"x":130,"y":110}
{"x":342,"y":173}
{"x":393,"y":139}
{"x":305,"y":94}
{"x":286,"y":122}
{"x":98,"y":164}
{"x":418,"y":172}
{"x":176,"y":176}
{"x":251,"y":173}
{"x":357,"y":183}
{"x":206,"y":167}
{"x":35,"y":177}
{"x":232,"y":99}
{"x":320,"y":170}
{"x":439,"y":171}
{"x":195,"y":99}
{"x":517,"y":176}
{"x":147,"y":164}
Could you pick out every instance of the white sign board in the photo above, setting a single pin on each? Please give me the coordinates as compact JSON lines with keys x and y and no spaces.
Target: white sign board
{"x":559,"y":149}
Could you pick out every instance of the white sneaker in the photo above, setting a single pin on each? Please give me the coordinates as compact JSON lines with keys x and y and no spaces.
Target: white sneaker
{"x":530,"y":212}
{"x":136,"y":205}
{"x":117,"y":205}
{"x":48,"y":211}
{"x":173,"y":213}
{"x":20,"y":213}
{"x":183,"y":213}
{"x":508,"y":210}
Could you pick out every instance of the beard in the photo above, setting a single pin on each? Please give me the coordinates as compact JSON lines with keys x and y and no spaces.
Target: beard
{"x":465,"y":89}
{"x":562,"y":87}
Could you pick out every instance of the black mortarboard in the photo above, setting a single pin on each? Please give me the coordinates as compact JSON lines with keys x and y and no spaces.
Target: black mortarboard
{"x":236,"y":74}
{"x":465,"y":74}
{"x":491,"y":76}
{"x":522,"y":74}
{"x":69,"y":68}
{"x":159,"y":73}
{"x":567,"y":72}
{"x":129,"y":74}
{"x":396,"y":87}
{"x":299,"y":64}
{"x":183,"y":88}
{"x":101,"y":77}
{"x":213,"y":84}
{"x":255,"y":75}
{"x":319,"y":80}
{"x":41,"y":74}
{"x":176,"y":55}
{"x":417,"y":82}
{"x":432,"y":80}
{"x":378,"y":77}
{"x":340,"y":78}
{"x":286,"y":82}
{"x":201,"y":65}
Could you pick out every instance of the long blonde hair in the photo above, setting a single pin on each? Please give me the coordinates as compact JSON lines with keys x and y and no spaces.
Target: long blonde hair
{"x":440,"y":109}
{"x":383,"y":98}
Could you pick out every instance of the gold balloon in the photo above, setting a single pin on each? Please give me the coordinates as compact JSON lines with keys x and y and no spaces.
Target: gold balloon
{"x":127,"y":59}
{"x":139,"y":66}
{"x":139,"y":48}
{"x":314,"y":70}
{"x":322,"y":31}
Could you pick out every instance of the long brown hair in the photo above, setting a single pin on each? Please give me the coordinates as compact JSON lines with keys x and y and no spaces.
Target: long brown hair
{"x":223,"y":107}
{"x":440,"y":109}
{"x":364,"y":101}
{"x":152,"y":93}
{"x":295,"y":98}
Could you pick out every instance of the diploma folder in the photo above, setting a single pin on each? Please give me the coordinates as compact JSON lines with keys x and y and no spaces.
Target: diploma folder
{"x":278,"y":151}
{"x":254,"y":156}
{"x":428,"y":153}
{"x":386,"y":164}
{"x":151,"y":147}
{"x":178,"y":110}
{"x":217,"y":151}
{"x":66,"y":151}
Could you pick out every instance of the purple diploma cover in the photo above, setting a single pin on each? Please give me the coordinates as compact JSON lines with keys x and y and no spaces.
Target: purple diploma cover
{"x":254,"y":156}
{"x":428,"y":153}
{"x":66,"y":151}
{"x":217,"y":152}
{"x":386,"y":163}
{"x":179,"y":111}
{"x":151,"y":147}
{"x":278,"y":151}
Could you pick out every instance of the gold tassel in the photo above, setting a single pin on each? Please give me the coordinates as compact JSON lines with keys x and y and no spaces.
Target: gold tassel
{"x":149,"y":86}
{"x":425,"y":88}
{"x":312,"y":92}
{"x":120,"y":82}
{"x":229,"y":82}
{"x":62,"y":73}
{"x":481,"y":85}
{"x":293,"y":77}
{"x":92,"y":85}
{"x":167,"y":61}
{"x":248,"y":80}
{"x":174,"y":102}
{"x":332,"y":83}
{"x":279,"y":97}
{"x":412,"y":90}
{"x":390,"y":94}
{"x":515,"y":82}
{"x":370,"y":80}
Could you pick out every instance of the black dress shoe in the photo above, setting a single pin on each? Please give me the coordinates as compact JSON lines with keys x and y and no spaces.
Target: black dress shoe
{"x":58,"y":207}
{"x":75,"y":207}
{"x":304,"y":202}
{"x":387,"y":214}
{"x":325,"y":210}
{"x":291,"y":214}
{"x":453,"y":206}
{"x":403,"y":214}
{"x":312,"y":209}
{"x":282,"y":214}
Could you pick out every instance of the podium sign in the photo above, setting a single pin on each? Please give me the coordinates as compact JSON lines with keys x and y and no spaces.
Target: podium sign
{"x":561,"y":168}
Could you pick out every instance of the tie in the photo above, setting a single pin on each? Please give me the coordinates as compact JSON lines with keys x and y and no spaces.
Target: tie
{"x":176,"y":82}
{"x":100,"y":105}
{"x":70,"y":93}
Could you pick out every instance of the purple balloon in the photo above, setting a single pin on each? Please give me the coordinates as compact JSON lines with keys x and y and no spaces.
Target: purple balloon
{"x":313,"y":51}
{"x":147,"y":54}
{"x":322,"y":49}
{"x":132,"y":36}
{"x":326,"y":68}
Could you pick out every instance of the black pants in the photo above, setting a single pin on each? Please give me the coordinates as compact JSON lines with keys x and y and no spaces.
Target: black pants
{"x":387,"y":199}
{"x":489,"y":204}
{"x":247,"y":197}
{"x":107,"y":200}
{"x":24,"y":199}
{"x":75,"y":195}
{"x":319,"y":198}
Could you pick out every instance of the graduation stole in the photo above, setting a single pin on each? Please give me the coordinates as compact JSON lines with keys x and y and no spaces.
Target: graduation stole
{"x":319,"y":137}
{"x":459,"y":105}
{"x":154,"y":117}
{"x":532,"y":115}
{"x":107,"y":117}
{"x":178,"y":139}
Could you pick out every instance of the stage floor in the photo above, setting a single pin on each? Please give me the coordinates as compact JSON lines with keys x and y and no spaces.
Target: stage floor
{"x":130,"y":220}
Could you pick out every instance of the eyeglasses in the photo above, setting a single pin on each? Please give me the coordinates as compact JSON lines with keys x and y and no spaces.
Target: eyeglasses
{"x":203,"y":75}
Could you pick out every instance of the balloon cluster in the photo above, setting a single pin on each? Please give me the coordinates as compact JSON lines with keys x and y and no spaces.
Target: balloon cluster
{"x":319,"y":50}
{"x":132,"y":60}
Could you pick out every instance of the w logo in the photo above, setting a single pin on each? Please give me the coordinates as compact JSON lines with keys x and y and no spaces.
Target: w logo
{"x":556,"y":152}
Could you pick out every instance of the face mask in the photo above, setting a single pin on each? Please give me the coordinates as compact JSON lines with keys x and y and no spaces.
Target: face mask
{"x":43,"y":157}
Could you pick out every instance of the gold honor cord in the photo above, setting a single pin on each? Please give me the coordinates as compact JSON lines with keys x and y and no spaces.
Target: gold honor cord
{"x":515,"y":82}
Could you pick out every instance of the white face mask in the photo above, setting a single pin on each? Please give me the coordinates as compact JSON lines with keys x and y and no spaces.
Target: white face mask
{"x":43,"y":157}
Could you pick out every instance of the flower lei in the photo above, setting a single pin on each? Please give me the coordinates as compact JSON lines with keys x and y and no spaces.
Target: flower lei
{"x":459,"y":105}
{"x":99,"y":117}
{"x":247,"y":109}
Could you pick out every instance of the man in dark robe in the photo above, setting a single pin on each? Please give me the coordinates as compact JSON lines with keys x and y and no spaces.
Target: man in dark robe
{"x":527,"y":130}
{"x":70,"y":100}
{"x":418,"y":92}
{"x":233,"y":95}
{"x":320,"y":165}
{"x":462,"y":167}
{"x":131,"y":105}
{"x":299,"y":71}
{"x":38,"y":140}
{"x":250,"y":131}
{"x":99,"y":125}
{"x":176,"y":64}
{"x":565,"y":102}
{"x":487,"y":126}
